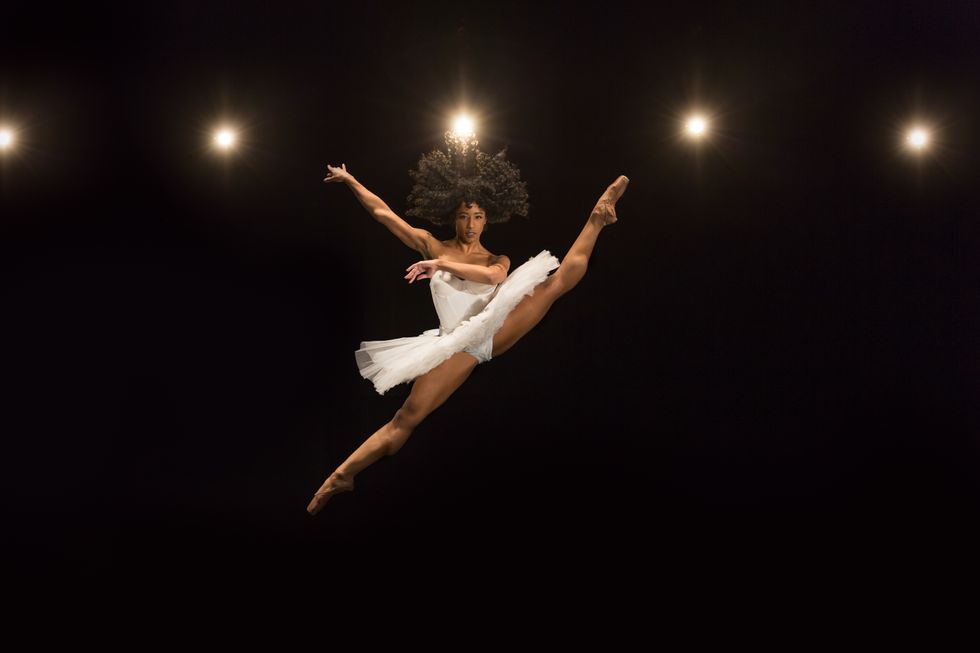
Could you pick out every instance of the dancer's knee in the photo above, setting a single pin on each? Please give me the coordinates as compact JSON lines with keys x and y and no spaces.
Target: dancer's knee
{"x":572,"y":269}
{"x":399,"y":429}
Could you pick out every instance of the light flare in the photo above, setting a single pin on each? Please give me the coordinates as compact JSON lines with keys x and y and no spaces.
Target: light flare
{"x":225,"y":138}
{"x":917,"y":138}
{"x":463,"y":127}
{"x":6,"y":138}
{"x":696,"y":126}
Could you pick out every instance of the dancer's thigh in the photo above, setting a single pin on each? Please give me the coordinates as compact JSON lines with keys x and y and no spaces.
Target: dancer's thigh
{"x":527,"y":314}
{"x":431,"y":390}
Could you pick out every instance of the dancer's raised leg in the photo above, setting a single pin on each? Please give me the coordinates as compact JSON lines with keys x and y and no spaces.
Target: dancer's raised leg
{"x":534,"y":307}
{"x":429,"y":391}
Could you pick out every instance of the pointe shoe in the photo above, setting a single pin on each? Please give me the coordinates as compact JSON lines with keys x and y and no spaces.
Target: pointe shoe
{"x":605,"y":208}
{"x":616,"y":189}
{"x":335,"y":483}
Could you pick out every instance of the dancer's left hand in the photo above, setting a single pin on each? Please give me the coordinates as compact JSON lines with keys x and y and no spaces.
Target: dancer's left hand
{"x":422,"y":269}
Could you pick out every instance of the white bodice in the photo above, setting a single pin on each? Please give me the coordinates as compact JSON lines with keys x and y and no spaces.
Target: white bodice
{"x":458,"y":299}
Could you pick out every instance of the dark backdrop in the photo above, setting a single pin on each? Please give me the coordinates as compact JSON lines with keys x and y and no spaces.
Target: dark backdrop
{"x":773,"y":352}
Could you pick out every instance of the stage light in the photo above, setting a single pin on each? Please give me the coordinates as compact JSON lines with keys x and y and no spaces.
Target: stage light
{"x":6,"y":138}
{"x":225,"y":138}
{"x":696,"y":126}
{"x":917,"y":138}
{"x":463,"y":127}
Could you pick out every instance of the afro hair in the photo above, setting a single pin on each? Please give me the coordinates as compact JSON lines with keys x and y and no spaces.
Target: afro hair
{"x":463,"y":173}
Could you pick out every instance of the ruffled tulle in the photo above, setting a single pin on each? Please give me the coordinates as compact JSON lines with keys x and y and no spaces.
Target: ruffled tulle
{"x":387,"y":363}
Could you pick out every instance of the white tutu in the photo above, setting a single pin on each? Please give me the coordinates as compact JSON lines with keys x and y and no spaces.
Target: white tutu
{"x":470,"y":313}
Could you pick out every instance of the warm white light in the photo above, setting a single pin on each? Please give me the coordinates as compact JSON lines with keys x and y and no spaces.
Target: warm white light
{"x":463,"y":127}
{"x":224,"y":138}
{"x":696,"y":126}
{"x":6,"y":139}
{"x":917,"y":138}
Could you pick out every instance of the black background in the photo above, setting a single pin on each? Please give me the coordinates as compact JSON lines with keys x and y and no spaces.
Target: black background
{"x":773,"y":352}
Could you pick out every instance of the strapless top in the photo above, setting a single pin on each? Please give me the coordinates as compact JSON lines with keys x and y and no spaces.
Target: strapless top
{"x":458,"y":299}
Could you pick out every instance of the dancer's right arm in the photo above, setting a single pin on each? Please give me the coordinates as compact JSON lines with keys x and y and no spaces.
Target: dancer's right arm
{"x":414,"y":238}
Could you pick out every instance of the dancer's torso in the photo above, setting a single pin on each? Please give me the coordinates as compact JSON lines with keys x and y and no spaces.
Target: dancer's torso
{"x":458,"y":299}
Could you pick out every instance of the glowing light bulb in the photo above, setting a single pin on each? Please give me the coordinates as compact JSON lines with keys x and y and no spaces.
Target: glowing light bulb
{"x":696,"y":126}
{"x":225,"y":138}
{"x":463,"y":127}
{"x":917,"y":138}
{"x":6,"y":138}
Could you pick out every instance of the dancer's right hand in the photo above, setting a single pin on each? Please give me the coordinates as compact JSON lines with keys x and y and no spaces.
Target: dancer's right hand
{"x":337,"y":174}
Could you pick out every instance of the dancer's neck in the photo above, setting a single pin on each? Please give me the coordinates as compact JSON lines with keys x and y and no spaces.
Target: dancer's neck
{"x":468,"y":248}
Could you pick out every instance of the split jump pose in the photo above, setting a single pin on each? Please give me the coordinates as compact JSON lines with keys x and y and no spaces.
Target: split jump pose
{"x":484,"y":308}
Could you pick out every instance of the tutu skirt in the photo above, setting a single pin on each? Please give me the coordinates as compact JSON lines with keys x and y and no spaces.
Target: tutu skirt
{"x":387,"y":363}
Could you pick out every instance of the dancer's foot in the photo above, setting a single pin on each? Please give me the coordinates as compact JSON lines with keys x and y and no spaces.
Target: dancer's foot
{"x":605,"y":209}
{"x":337,"y":482}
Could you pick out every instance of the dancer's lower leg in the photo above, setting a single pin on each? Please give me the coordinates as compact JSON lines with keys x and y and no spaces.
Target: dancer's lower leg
{"x":375,"y":447}
{"x":386,"y":441}
{"x":575,"y":263}
{"x":429,"y":391}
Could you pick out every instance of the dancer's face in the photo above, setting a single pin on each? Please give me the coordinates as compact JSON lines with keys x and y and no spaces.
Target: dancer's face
{"x":470,"y":220}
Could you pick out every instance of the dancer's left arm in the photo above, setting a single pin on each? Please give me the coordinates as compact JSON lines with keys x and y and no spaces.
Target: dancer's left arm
{"x":494,"y":273}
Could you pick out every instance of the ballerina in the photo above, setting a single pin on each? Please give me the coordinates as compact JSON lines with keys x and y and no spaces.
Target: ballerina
{"x":484,"y":309}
